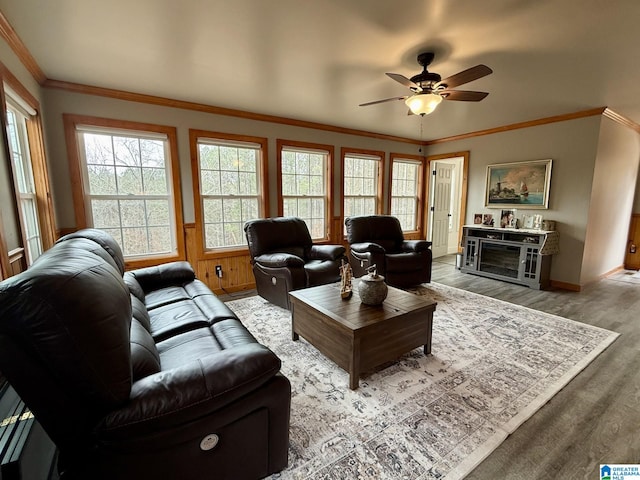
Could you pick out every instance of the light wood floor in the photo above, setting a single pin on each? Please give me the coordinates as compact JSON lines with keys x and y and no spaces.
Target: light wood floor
{"x":596,"y":418}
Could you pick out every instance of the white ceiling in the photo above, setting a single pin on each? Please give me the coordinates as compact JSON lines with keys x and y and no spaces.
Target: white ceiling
{"x":316,"y":60}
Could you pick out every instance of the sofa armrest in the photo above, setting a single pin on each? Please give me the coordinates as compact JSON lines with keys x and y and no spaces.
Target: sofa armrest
{"x":163,"y":275}
{"x":181,"y":395}
{"x":326,"y":252}
{"x":415,"y":245}
{"x":367,"y":247}
{"x":275,"y":260}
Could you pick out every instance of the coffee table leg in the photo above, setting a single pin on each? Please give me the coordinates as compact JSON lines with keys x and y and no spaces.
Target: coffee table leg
{"x":427,"y":346}
{"x":294,"y":335}
{"x":354,"y":364}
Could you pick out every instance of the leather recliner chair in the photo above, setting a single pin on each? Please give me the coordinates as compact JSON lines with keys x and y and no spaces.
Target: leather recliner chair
{"x":284,"y":258}
{"x":378,"y":239}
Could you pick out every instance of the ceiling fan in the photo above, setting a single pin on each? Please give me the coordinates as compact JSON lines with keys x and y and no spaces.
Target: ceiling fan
{"x":429,"y":89}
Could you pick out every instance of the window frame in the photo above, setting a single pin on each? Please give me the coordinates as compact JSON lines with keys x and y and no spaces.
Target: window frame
{"x":419,"y":232}
{"x":263,"y":194}
{"x":11,"y":87}
{"x":282,"y":145}
{"x":357,"y":152}
{"x":24,"y":175}
{"x":77,"y":170}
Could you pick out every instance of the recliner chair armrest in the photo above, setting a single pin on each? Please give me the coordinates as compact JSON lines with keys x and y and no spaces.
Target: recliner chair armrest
{"x":415,"y":245}
{"x":275,"y":260}
{"x":366,"y":247}
{"x":181,"y":395}
{"x":163,"y":275}
{"x":326,"y":252}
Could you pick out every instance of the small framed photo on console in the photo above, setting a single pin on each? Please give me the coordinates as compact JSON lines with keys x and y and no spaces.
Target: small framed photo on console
{"x":508,"y":219}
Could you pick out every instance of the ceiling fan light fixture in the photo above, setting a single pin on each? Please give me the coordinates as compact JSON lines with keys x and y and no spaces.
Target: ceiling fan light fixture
{"x":423,"y":103}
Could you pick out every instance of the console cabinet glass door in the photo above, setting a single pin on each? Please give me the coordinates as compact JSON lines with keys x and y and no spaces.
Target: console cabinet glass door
{"x":470,"y":259}
{"x":530,"y":262}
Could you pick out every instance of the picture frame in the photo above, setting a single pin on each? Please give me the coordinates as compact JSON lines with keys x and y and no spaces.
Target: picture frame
{"x":508,"y":219}
{"x":487,"y":219}
{"x":527,"y":221}
{"x":477,"y":218}
{"x":537,"y":222}
{"x":518,"y":184}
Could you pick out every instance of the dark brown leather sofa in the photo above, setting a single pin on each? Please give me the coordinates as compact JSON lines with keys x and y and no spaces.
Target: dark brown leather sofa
{"x":144,"y":374}
{"x":378,"y":239}
{"x":284,"y":258}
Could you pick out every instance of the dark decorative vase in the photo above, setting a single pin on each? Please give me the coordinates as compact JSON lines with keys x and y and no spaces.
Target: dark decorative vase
{"x":371,"y":287}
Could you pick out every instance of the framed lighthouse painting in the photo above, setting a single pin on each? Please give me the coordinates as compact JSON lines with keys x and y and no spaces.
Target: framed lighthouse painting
{"x":522,"y":184}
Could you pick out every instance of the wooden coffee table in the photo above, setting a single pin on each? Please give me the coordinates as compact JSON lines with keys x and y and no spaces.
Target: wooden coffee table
{"x":358,"y":337}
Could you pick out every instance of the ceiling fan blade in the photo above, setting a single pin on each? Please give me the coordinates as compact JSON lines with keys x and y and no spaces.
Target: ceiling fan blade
{"x":382,"y":101}
{"x":466,"y":76}
{"x":463,"y":95}
{"x":404,"y":81}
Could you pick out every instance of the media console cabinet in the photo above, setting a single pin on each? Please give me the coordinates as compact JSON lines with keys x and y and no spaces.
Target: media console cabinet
{"x":520,"y":256}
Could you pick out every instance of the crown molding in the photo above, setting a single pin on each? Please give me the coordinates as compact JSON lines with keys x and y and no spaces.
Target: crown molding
{"x":622,"y":120}
{"x":201,"y":107}
{"x":19,"y":48}
{"x":516,"y":126}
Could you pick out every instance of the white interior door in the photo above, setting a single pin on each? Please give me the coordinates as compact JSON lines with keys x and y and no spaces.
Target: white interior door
{"x":441,"y":208}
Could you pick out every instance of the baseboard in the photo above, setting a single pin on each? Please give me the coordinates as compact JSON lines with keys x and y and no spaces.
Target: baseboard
{"x":233,"y":288}
{"x":611,"y":272}
{"x":566,"y":286}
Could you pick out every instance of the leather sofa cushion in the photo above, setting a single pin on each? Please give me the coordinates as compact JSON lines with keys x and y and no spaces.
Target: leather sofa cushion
{"x":178,"y":309}
{"x":134,"y":286}
{"x":281,"y":234}
{"x":139,"y":313}
{"x":176,"y":317}
{"x":320,"y":273}
{"x":164,"y":275}
{"x":187,"y":347}
{"x":196,"y":344}
{"x":104,"y":245}
{"x":384,"y":230}
{"x":145,"y":359}
{"x":231,"y":333}
{"x":213,"y":308}
{"x":404,"y":262}
{"x":81,"y":309}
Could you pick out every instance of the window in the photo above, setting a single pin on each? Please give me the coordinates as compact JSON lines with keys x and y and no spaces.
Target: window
{"x":305,"y":175}
{"x":406,"y":191}
{"x":128,"y":174}
{"x":229,"y":182}
{"x":362,"y":182}
{"x":23,"y":172}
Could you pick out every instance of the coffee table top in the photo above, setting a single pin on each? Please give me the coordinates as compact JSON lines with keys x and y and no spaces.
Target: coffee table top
{"x":354,"y":314}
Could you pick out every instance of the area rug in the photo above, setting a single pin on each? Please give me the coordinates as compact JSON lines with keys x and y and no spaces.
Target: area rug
{"x":493,"y":365}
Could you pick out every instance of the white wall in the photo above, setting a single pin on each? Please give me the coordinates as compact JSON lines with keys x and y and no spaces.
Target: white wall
{"x":612,"y":196}
{"x":572,"y":145}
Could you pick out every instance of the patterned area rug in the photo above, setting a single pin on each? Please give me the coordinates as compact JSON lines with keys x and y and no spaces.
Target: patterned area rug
{"x":493,"y":365}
